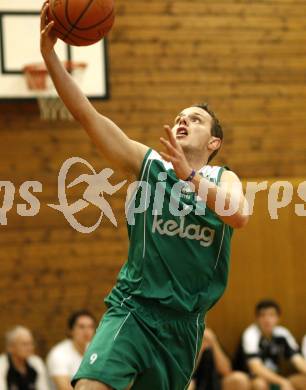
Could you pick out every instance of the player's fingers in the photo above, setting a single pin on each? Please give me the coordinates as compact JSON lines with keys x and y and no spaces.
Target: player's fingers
{"x":167,"y":157}
{"x":170,"y":135}
{"x":44,"y":3}
{"x":48,"y":28}
{"x":43,"y":16}
{"x":167,"y":144}
{"x":172,"y":138}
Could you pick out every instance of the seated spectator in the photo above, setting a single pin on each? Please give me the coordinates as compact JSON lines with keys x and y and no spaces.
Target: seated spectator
{"x":264,"y":346}
{"x":20,"y":369}
{"x":64,"y":358}
{"x":304,"y":346}
{"x":214,"y":371}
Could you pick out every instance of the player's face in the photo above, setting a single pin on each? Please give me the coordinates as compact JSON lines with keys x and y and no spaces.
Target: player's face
{"x":192,"y":129}
{"x":83,"y":330}
{"x":267,"y":319}
{"x":23,"y":346}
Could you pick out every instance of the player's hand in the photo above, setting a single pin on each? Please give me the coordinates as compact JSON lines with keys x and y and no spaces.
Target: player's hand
{"x":47,"y":36}
{"x":175,"y":154}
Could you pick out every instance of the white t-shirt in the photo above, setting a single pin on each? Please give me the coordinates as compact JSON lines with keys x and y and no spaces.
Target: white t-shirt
{"x":304,"y":346}
{"x":281,"y":344}
{"x":63,"y":359}
{"x":35,"y":362}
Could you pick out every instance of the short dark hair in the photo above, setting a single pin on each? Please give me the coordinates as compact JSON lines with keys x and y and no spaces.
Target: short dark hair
{"x":76,"y":315}
{"x":267,"y":304}
{"x":216,"y":128}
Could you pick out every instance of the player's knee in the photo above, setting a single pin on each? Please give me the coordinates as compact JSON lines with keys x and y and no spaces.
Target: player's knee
{"x":260,"y":384}
{"x":237,"y":380}
{"x":86,"y":384}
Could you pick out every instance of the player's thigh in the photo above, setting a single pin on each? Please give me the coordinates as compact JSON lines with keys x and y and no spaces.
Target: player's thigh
{"x":86,"y":384}
{"x":175,"y":349}
{"x":117,"y":352}
{"x":159,"y":380}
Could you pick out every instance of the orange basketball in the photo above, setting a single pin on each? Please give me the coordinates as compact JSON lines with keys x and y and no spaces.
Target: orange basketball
{"x":81,"y":22}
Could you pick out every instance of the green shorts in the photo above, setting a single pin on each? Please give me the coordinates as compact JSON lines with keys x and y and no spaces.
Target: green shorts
{"x":140,"y":342}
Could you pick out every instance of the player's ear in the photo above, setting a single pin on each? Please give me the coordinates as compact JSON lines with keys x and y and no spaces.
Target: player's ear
{"x":214,"y":143}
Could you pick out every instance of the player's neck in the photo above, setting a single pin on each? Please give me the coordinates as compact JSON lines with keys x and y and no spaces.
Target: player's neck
{"x":196,"y":161}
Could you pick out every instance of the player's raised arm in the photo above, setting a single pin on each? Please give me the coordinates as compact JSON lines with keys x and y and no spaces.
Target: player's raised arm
{"x":109,"y":138}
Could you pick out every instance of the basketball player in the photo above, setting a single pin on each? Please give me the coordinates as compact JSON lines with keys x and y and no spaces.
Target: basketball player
{"x":177,"y":264}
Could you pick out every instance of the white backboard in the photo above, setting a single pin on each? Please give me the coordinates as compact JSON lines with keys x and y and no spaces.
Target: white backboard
{"x":19,"y":46}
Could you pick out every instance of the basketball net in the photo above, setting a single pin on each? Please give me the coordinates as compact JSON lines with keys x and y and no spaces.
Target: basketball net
{"x":39,"y":82}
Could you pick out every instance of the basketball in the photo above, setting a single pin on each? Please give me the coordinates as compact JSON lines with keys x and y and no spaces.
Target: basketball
{"x":81,"y":22}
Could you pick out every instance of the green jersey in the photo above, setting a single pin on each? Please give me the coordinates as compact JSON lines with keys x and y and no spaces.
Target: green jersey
{"x":179,"y":249}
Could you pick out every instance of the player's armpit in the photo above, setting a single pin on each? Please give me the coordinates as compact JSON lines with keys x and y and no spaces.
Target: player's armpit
{"x":140,"y":152}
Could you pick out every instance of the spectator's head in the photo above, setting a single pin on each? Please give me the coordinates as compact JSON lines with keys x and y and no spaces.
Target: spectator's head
{"x":267,"y":315}
{"x":82,"y":326}
{"x":19,"y":342}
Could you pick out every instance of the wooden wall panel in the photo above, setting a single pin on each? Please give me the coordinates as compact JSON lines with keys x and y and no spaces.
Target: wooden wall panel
{"x":268,"y":261}
{"x":246,"y":58}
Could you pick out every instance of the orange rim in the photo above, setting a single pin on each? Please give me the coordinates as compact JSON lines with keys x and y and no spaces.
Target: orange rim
{"x":36,"y":74}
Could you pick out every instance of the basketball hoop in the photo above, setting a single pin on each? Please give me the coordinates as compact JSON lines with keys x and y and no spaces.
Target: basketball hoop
{"x":38,"y":80}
